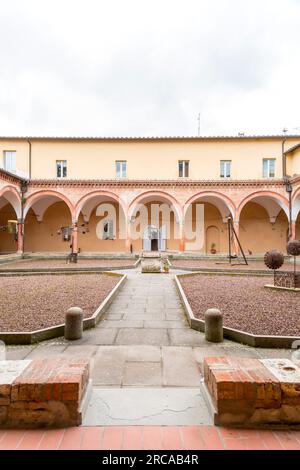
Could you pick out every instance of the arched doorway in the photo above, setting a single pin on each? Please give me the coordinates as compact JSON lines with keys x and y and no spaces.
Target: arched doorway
{"x":154,"y":238}
{"x":160,"y":211}
{"x":212,"y":240}
{"x":211,"y":221}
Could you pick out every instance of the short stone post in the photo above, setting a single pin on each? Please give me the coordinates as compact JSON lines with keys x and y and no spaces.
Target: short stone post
{"x":213,"y":325}
{"x":74,"y":323}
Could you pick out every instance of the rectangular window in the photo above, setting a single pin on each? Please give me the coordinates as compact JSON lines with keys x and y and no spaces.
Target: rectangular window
{"x":108,"y":230}
{"x":121,"y":166}
{"x":225,"y":168}
{"x":269,"y":168}
{"x":183,"y":168}
{"x":61,"y":168}
{"x":10,"y":160}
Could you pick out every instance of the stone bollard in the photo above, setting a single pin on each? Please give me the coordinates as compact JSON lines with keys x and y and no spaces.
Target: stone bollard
{"x":213,"y":325}
{"x":74,"y":323}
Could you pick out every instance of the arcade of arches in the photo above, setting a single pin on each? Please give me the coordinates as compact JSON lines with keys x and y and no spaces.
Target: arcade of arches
{"x":49,"y":220}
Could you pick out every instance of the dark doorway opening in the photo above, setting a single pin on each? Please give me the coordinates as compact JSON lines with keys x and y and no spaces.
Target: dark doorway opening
{"x":154,"y":244}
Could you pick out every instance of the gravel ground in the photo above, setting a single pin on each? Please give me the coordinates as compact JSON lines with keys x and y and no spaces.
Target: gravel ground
{"x":34,"y":302}
{"x":245,"y":303}
{"x":193,"y":263}
{"x":61,"y":263}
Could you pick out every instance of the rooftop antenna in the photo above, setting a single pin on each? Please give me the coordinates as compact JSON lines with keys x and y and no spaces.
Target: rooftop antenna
{"x":198,"y":119}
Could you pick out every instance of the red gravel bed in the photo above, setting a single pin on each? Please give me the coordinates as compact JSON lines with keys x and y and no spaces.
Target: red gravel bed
{"x":34,"y":302}
{"x":245,"y":303}
{"x":211,"y":264}
{"x":61,"y":263}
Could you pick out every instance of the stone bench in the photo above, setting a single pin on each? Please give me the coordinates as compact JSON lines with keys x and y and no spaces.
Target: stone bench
{"x":249,"y":392}
{"x":43,"y":392}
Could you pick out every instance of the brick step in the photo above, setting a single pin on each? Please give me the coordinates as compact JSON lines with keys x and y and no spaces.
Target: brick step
{"x":43,"y":393}
{"x":252,"y":393}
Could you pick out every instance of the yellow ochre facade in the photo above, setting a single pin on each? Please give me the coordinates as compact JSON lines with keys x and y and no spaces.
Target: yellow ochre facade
{"x":52,"y":188}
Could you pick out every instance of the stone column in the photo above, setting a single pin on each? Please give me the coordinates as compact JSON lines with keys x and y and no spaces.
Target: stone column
{"x":128,"y":237}
{"x":293,"y":229}
{"x":74,"y":237}
{"x":236,"y":247}
{"x":181,"y":237}
{"x":20,"y":228}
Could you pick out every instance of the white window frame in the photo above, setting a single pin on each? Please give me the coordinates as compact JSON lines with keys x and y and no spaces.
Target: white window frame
{"x":225,"y":168}
{"x":60,"y":166}
{"x":269,"y":172}
{"x":185,"y":168}
{"x":121,"y":168}
{"x":10,"y":160}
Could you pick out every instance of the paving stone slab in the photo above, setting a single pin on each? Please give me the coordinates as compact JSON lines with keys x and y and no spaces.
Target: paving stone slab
{"x":147,"y":374}
{"x":180,"y":368}
{"x":107,"y":366}
{"x":121,"y":323}
{"x":131,"y":406}
{"x":186,"y":337}
{"x":142,"y":353}
{"x":142,"y":336}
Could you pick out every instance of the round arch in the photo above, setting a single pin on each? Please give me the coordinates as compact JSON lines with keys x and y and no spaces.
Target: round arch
{"x":156,"y":195}
{"x":11,"y":195}
{"x":40,"y":201}
{"x":272,"y":202}
{"x":296,"y":204}
{"x":223,"y":203}
{"x":90,"y":200}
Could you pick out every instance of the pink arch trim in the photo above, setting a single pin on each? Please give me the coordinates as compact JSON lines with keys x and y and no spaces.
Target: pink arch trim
{"x":296,"y":194}
{"x":269,"y":194}
{"x":86,"y":197}
{"x":229,"y":203}
{"x":162,"y":194}
{"x":10,"y":189}
{"x":40,"y":194}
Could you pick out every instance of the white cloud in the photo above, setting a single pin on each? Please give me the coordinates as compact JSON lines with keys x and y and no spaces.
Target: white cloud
{"x":134,"y":67}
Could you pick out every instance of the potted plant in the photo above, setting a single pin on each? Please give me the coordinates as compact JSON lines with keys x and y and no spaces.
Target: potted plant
{"x":213,"y":249}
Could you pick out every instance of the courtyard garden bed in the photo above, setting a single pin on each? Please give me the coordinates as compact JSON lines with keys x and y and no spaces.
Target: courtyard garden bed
{"x":218,"y":265}
{"x":60,"y":264}
{"x":246,"y":304}
{"x":35,"y":303}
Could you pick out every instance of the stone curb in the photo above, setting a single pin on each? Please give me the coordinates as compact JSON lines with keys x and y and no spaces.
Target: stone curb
{"x":58,"y":330}
{"x":87,"y":269}
{"x":220,"y":271}
{"x":264,"y":341}
{"x":289,"y":289}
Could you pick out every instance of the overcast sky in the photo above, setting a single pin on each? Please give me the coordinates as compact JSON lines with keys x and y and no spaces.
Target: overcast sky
{"x":143,"y":68}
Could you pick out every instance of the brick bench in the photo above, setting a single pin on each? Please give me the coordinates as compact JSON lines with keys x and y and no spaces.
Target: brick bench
{"x":249,"y":392}
{"x":43,"y":393}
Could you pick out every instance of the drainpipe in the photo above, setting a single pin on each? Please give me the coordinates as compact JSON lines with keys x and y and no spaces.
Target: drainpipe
{"x":283,"y":159}
{"x":29,"y":158}
{"x":23,"y":188}
{"x":288,"y":188}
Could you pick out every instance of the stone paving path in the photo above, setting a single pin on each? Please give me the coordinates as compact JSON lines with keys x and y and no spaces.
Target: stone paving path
{"x":144,"y":341}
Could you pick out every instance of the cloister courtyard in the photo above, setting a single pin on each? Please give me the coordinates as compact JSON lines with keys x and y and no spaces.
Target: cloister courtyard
{"x":146,"y":360}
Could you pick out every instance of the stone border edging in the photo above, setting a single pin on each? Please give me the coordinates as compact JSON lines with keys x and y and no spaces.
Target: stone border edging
{"x":288,"y":289}
{"x":36,"y":336}
{"x":238,"y":272}
{"x":62,"y":270}
{"x":264,"y":341}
